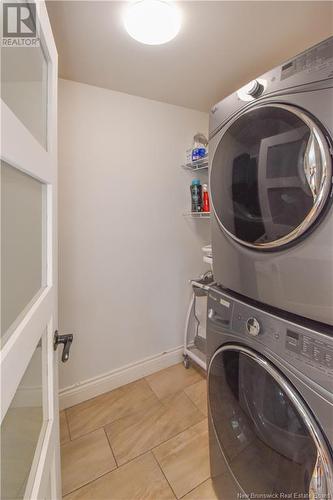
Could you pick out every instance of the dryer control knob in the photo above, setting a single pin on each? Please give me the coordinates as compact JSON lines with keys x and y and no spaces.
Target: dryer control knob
{"x":253,"y":327}
{"x":253,"y":88}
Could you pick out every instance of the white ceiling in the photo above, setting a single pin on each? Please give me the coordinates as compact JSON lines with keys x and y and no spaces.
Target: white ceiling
{"x":221,"y":46}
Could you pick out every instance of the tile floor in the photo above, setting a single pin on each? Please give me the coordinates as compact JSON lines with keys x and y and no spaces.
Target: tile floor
{"x":147,"y":440}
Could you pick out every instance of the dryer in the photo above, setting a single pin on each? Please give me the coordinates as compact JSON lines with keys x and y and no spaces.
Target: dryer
{"x":270,"y":401}
{"x":271,"y":187}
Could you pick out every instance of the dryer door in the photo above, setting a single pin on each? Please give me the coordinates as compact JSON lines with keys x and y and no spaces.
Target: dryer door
{"x":268,"y":436}
{"x":271,"y":176}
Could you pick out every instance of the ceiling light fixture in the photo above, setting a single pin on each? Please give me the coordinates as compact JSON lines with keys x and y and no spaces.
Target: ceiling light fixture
{"x":152,"y":22}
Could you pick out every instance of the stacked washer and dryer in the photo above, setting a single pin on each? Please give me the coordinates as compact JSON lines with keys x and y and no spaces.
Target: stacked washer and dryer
{"x":270,"y":318}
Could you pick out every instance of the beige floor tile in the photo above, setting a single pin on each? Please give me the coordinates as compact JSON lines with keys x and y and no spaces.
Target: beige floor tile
{"x":95,"y":413}
{"x":85,"y":459}
{"x":172,"y":379}
{"x":135,"y":434}
{"x":198,"y":394}
{"x":64,"y":431}
{"x":225,"y":489}
{"x":140,"y":479}
{"x":203,"y":492}
{"x":184,"y":459}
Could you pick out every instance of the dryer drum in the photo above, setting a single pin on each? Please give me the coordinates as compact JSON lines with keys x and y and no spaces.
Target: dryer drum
{"x":267,"y":434}
{"x":271,"y":176}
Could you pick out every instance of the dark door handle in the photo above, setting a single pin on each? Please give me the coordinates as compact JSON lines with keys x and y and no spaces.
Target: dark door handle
{"x":63,"y":339}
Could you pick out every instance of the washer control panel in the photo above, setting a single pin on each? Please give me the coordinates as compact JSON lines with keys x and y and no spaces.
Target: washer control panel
{"x":309,"y":351}
{"x":317,"y":351}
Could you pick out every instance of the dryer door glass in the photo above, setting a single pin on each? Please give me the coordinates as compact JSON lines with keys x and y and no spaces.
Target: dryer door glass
{"x":263,"y":428}
{"x":270,"y":176}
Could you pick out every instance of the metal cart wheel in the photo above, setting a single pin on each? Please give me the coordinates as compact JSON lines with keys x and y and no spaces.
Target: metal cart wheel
{"x":186,"y":361}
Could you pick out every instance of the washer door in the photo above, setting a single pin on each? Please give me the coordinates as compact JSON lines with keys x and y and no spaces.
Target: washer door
{"x":268,"y":436}
{"x":271,"y":176}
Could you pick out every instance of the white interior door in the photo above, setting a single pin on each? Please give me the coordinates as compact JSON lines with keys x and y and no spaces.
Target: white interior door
{"x":30,"y":456}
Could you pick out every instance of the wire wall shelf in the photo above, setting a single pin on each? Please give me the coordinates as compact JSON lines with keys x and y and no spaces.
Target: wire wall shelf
{"x":201,"y":164}
{"x":197,"y":215}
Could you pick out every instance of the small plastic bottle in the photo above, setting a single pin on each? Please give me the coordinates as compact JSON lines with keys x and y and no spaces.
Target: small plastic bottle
{"x":199,"y":148}
{"x":196,"y":195}
{"x":205,"y":198}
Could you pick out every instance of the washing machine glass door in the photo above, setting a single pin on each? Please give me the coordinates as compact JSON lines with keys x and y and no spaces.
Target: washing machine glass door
{"x":270,"y":176}
{"x":269,"y":438}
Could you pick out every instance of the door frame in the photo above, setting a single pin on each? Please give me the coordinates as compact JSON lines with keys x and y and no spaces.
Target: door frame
{"x":21,"y":150}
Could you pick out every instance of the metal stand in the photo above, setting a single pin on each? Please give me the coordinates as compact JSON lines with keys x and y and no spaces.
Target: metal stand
{"x":194,"y":343}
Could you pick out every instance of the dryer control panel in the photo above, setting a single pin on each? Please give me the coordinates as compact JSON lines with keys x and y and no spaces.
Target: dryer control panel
{"x":309,"y":351}
{"x":314,"y":59}
{"x":310,"y":70}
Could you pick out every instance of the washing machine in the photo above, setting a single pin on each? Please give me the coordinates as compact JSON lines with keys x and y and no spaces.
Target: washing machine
{"x":271,"y":187}
{"x":270,"y":402}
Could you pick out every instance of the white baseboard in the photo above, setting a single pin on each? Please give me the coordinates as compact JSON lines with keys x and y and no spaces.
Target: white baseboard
{"x":88,"y":389}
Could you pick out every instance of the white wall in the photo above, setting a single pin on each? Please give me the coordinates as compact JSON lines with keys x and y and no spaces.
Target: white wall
{"x":126,"y":251}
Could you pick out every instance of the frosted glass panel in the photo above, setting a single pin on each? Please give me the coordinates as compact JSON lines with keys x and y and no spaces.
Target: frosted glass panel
{"x":24,"y":87}
{"x":22,"y":242}
{"x":20,"y":430}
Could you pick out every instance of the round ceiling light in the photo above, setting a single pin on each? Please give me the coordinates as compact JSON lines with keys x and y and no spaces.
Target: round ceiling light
{"x":152,"y":22}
